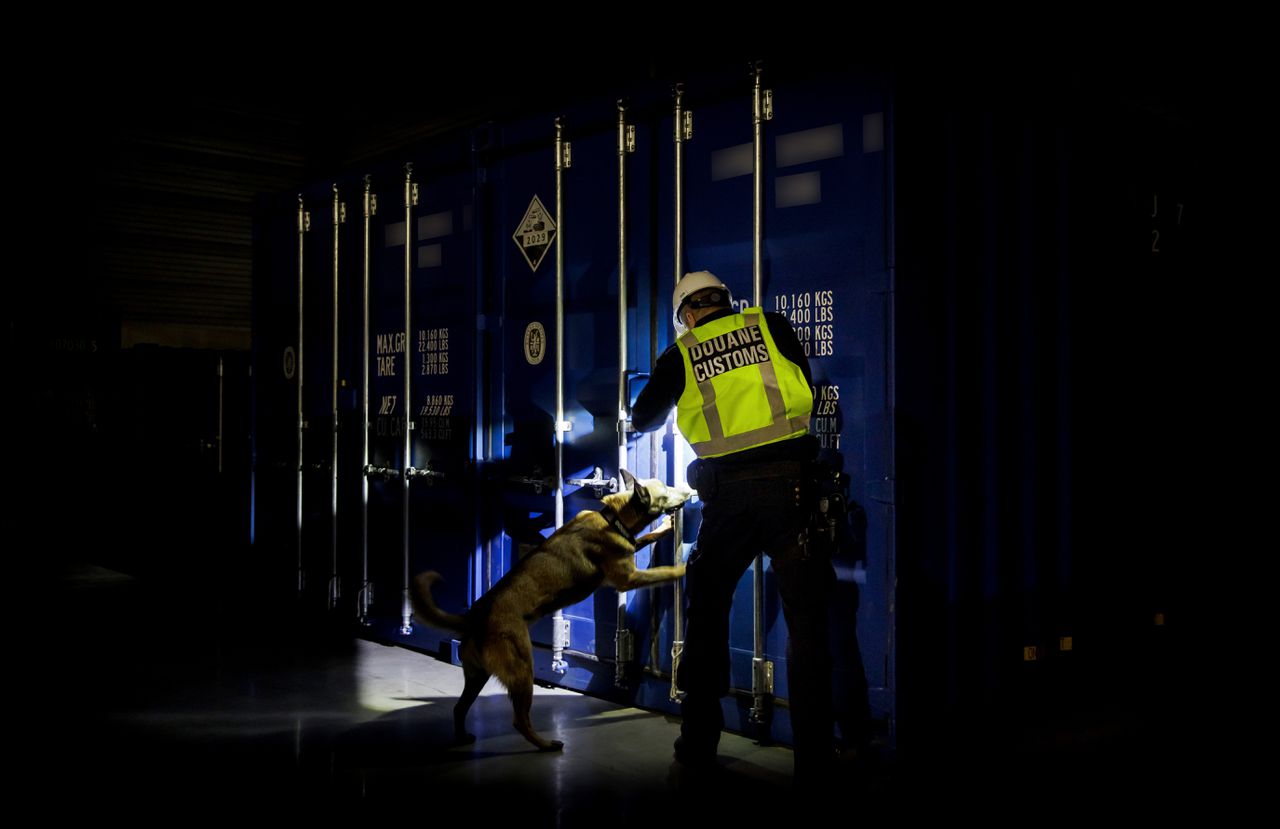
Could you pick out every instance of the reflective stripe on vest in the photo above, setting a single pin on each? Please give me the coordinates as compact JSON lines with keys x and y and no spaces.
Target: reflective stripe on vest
{"x":749,"y":343}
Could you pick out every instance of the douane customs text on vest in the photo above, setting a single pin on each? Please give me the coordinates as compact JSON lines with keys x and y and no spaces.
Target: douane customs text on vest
{"x":733,"y":349}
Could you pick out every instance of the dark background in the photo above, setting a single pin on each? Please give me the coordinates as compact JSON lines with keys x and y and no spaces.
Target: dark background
{"x":1033,"y":312}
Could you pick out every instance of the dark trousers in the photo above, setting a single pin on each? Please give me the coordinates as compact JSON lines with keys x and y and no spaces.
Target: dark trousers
{"x":739,"y":521}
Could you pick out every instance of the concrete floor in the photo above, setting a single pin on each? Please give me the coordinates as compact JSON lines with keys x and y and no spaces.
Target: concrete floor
{"x":156,"y":700}
{"x":151,"y":703}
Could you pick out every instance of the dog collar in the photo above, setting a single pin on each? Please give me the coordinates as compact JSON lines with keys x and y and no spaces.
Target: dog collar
{"x":611,"y":515}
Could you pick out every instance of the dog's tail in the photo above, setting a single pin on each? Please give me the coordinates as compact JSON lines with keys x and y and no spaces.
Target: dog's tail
{"x":424,"y":607}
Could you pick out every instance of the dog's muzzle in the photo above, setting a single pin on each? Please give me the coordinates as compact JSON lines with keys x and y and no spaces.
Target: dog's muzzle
{"x":672,"y":510}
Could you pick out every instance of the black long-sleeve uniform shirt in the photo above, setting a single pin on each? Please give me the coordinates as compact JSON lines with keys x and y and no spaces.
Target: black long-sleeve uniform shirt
{"x":666,"y":384}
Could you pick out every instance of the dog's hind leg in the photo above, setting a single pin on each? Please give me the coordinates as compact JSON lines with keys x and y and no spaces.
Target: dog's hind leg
{"x":521,"y":702}
{"x":476,"y":678}
{"x":515,"y":670}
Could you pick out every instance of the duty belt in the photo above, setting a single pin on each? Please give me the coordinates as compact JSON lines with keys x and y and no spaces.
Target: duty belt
{"x":727,"y":474}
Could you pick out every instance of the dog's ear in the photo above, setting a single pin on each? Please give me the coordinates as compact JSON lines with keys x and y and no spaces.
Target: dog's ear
{"x":628,"y":480}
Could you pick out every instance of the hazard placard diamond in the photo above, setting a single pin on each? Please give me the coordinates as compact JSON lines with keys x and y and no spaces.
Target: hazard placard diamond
{"x":536,"y":233}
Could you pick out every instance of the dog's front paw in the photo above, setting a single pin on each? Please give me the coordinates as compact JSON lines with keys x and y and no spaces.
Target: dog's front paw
{"x":554,"y":745}
{"x":664,"y":526}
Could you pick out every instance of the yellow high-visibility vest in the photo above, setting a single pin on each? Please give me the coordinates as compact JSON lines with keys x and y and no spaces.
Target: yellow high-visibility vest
{"x":739,"y":391}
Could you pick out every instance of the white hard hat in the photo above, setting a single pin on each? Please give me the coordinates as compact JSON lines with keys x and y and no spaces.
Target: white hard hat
{"x":690,"y":285}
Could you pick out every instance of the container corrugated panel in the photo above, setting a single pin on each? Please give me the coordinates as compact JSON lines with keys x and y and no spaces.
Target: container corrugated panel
{"x":318,"y":515}
{"x":442,"y":350}
{"x":275,"y":379}
{"x":520,"y":174}
{"x":438,"y":356}
{"x":1044,"y":266}
{"x":826,"y":267}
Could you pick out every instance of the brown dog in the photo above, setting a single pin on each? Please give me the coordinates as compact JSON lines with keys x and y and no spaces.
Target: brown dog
{"x":592,"y":549}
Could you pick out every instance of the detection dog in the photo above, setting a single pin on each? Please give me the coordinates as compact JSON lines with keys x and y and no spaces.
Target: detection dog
{"x":592,"y":549}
